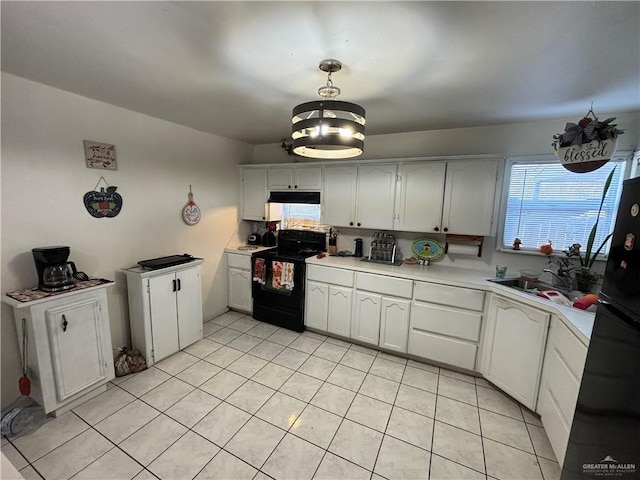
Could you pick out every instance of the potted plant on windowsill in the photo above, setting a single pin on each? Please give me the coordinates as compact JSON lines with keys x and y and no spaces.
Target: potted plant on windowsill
{"x":584,"y":276}
{"x":587,"y":145}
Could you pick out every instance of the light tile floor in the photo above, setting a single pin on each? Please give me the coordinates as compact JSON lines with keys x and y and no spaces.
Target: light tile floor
{"x":252,"y":401}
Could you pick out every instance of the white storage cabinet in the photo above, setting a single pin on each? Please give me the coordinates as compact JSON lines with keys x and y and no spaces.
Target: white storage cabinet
{"x":560,"y":384}
{"x":69,"y":350}
{"x":359,"y":196}
{"x":381,"y":311}
{"x":296,"y":178}
{"x":239,"y":282}
{"x":254,"y":193}
{"x":165,"y":309}
{"x":445,"y":324}
{"x":514,"y":346}
{"x":329,"y":297}
{"x":456,"y":196}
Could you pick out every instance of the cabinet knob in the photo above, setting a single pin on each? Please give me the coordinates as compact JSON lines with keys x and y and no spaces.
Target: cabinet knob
{"x":436,"y":229}
{"x":264,"y":218}
{"x":179,"y":285}
{"x":445,"y":229}
{"x":295,"y":186}
{"x":351,"y":224}
{"x":288,"y":186}
{"x":64,"y":323}
{"x":174,"y":285}
{"x":359,"y":223}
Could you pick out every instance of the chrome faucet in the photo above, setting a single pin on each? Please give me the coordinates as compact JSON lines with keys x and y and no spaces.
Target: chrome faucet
{"x":565,"y":282}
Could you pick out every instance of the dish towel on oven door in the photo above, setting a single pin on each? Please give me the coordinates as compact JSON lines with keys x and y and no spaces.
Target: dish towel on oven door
{"x":259,"y":271}
{"x":282,"y":275}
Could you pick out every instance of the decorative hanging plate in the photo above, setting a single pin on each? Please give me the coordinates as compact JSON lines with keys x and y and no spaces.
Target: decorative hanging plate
{"x":103,"y":204}
{"x":427,"y":249}
{"x":191,"y":212}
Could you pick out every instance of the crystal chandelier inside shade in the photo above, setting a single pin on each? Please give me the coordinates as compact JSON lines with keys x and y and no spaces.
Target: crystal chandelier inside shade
{"x":328,"y":128}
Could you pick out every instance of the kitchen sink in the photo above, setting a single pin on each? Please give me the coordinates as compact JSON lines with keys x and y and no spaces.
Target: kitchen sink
{"x":528,"y":287}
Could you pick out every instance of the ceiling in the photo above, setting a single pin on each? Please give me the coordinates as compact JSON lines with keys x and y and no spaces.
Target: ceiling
{"x":236,"y":69}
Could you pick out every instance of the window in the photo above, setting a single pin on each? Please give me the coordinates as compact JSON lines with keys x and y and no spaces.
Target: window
{"x":301,"y":216}
{"x":546,"y":202}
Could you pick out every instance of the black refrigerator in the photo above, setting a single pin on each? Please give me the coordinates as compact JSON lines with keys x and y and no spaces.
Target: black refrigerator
{"x":605,"y":434}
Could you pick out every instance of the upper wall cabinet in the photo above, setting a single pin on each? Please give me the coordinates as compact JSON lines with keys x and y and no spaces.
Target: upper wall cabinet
{"x":254,"y":193}
{"x":298,"y":178}
{"x":457,"y":196}
{"x":359,"y":196}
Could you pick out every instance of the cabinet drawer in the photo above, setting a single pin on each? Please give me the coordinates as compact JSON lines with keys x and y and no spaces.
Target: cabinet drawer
{"x":333,"y":276}
{"x":446,"y":350}
{"x":239,"y":261}
{"x":571,"y":350}
{"x":446,"y":295}
{"x":397,"y":287}
{"x":446,"y":321}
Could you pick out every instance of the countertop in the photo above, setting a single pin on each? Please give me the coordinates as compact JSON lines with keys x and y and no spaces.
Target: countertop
{"x":578,"y":321}
{"x":232,"y":248}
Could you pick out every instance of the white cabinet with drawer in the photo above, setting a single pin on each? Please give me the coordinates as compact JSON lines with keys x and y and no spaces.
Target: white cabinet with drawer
{"x":381,"y":311}
{"x":329,"y":298}
{"x":560,"y":384}
{"x":445,"y":324}
{"x":239,"y":280}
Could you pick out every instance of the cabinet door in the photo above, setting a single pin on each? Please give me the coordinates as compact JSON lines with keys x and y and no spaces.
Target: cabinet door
{"x":254,"y":193}
{"x":307,"y":178}
{"x":376,"y":196}
{"x":317,"y":303}
{"x":469,"y":197}
{"x":339,"y":311}
{"x":394,"y":324}
{"x":339,"y":196}
{"x":420,"y":197}
{"x":515,"y":346}
{"x":75,"y":338}
{"x":365,"y":325}
{"x":280,"y":179}
{"x":164,"y":314}
{"x":189,"y":306}
{"x":240,"y":289}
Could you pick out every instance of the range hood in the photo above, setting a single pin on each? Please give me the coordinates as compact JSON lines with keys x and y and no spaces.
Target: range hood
{"x":295,"y":197}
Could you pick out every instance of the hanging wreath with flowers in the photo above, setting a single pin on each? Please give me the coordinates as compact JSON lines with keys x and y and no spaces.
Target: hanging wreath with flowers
{"x":587,"y":145}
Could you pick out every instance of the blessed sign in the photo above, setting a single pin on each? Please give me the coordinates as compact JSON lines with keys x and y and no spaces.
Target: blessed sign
{"x":588,"y":156}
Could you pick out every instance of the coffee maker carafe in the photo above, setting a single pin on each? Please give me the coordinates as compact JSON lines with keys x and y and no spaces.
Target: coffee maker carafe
{"x":53,"y":269}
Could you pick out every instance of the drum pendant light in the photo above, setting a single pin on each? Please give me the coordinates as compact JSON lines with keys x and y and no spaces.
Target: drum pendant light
{"x":328,"y":128}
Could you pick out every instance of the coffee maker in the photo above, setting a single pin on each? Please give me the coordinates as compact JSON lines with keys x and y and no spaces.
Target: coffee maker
{"x":52,"y":267}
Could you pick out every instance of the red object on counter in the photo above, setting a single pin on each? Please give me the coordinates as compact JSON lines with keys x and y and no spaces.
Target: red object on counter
{"x":585,"y":302}
{"x":321,"y":255}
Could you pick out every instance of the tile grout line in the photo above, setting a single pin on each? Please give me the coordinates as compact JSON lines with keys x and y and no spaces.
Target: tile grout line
{"x":433,"y":431}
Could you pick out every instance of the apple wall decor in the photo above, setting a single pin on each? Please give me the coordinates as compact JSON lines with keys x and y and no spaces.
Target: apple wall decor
{"x":105,"y":203}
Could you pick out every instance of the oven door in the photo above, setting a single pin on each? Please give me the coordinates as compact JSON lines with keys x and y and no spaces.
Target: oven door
{"x":273,"y":301}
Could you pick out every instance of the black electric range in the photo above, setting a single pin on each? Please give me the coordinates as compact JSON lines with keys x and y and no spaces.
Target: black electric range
{"x":278,"y":278}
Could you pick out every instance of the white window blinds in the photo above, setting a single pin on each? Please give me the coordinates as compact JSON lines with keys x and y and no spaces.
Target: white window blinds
{"x":546,"y":202}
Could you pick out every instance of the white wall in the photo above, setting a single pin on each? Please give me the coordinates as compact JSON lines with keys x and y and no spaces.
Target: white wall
{"x":44,"y":178}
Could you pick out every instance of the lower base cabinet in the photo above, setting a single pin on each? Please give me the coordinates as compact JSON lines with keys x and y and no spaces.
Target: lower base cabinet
{"x":365,"y":325}
{"x":560,"y":384}
{"x":514,"y":349}
{"x":394,"y":324}
{"x":339,"y":310}
{"x":239,"y":282}
{"x":69,"y":350}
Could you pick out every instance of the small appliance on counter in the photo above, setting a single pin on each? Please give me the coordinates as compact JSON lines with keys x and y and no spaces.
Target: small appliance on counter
{"x":269,"y":238}
{"x":254,"y":239}
{"x":383,"y":249}
{"x":169,"y":261}
{"x":358,"y":252}
{"x":53,"y":269}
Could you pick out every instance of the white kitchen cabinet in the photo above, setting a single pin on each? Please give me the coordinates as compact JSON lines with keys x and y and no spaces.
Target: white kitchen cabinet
{"x":470,"y":195}
{"x":165,"y":309}
{"x":445,"y":324}
{"x":239,"y":282}
{"x":394,"y":324}
{"x":254,"y":193}
{"x":420,"y":197}
{"x":365,"y":325}
{"x":339,"y":310}
{"x":560,"y":384}
{"x":69,"y":350}
{"x":339,"y":196}
{"x":513,"y":348}
{"x":316,"y":306}
{"x":297,"y":178}
{"x":362,"y":196}
{"x":455,"y":196}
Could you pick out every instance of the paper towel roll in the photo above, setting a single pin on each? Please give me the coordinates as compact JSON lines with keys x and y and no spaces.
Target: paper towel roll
{"x":461,"y":249}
